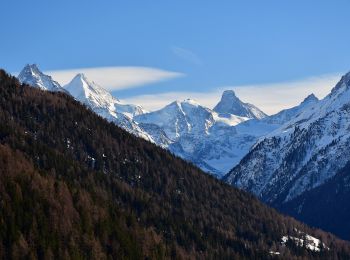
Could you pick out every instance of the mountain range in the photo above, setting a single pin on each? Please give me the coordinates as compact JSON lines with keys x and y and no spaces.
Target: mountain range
{"x":74,"y":185}
{"x":213,"y":139}
{"x":288,"y":160}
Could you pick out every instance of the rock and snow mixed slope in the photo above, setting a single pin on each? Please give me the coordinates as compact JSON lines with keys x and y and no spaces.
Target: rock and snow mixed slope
{"x":225,"y":149}
{"x":199,"y":134}
{"x":32,"y":76}
{"x":302,"y":154}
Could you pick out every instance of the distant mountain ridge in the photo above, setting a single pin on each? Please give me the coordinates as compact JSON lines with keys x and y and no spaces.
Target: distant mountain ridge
{"x":92,"y":95}
{"x":213,"y":139}
{"x":185,"y":128}
{"x":197,"y":134}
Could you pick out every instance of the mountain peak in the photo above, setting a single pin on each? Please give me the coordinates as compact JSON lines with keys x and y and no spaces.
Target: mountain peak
{"x":82,"y":88}
{"x":32,"y":68}
{"x":32,"y":76}
{"x":96,"y":97}
{"x":231,"y":104}
{"x":80,"y":77}
{"x":310,"y":98}
{"x":229,"y":94}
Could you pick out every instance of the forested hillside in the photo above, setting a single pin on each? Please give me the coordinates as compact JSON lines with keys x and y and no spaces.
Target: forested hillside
{"x":75,"y":186}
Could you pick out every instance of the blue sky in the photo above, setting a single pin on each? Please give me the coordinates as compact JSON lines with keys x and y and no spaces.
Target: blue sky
{"x":213,"y":44}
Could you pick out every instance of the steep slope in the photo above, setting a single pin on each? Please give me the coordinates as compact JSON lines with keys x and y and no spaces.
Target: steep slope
{"x":302,"y":154}
{"x":231,"y":104}
{"x":32,"y":76}
{"x":326,"y":206}
{"x":122,"y":197}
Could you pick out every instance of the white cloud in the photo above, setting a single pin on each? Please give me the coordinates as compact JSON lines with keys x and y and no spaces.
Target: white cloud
{"x":271,"y":98}
{"x":186,"y":54}
{"x":116,"y":78}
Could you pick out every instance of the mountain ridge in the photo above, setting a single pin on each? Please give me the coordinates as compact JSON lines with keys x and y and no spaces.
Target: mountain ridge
{"x":213,"y":141}
{"x":306,"y":150}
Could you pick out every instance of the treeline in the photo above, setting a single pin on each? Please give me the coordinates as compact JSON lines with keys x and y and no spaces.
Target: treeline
{"x":74,"y":186}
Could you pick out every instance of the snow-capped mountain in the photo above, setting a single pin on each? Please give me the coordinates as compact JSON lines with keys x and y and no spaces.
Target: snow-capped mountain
{"x":104,"y":104}
{"x":187,"y":117}
{"x":97,"y":98}
{"x":32,"y":76}
{"x":223,"y":149}
{"x":231,"y":104}
{"x":92,"y":95}
{"x":302,"y":154}
{"x":199,"y":134}
{"x":213,"y":140}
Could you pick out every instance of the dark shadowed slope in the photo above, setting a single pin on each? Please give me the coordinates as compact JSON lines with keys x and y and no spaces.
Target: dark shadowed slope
{"x":327,"y":206}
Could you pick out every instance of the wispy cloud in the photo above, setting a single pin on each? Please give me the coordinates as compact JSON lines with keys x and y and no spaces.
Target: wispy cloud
{"x":186,"y":54}
{"x":117,"y":78}
{"x":271,"y":98}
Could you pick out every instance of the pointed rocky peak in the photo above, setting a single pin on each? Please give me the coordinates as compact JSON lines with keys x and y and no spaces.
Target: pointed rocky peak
{"x":81,"y":81}
{"x":229,"y":94}
{"x":310,"y":99}
{"x":80,"y":77}
{"x":231,"y":104}
{"x":175,"y":105}
{"x":95,"y":96}
{"x":32,"y":76}
{"x":30,"y":69}
{"x":81,"y":86}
